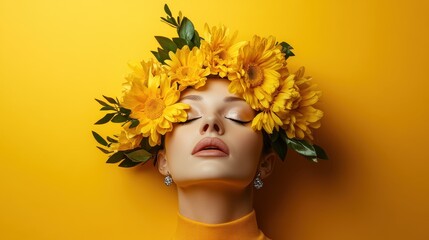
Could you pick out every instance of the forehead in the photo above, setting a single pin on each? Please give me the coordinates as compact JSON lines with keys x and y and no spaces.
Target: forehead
{"x":214,"y":88}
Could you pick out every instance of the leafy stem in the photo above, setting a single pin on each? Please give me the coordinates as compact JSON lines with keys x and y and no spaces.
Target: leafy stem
{"x":187,"y":36}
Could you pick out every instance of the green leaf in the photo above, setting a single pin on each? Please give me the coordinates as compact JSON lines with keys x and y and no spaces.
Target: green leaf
{"x":287,"y":50}
{"x":280,"y":147}
{"x":320,"y":152}
{"x":190,"y":44}
{"x":112,"y":140}
{"x":196,"y":39}
{"x":125,"y":111}
{"x":101,"y":102}
{"x":126,"y":163}
{"x":302,"y":147}
{"x":99,"y":138}
{"x":186,"y":30}
{"x":163,"y":55}
{"x":107,"y":108}
{"x":119,"y":119}
{"x":166,"y":43}
{"x":116,"y":157}
{"x":169,"y":21}
{"x":134,"y":123}
{"x":178,"y":20}
{"x":180,"y":42}
{"x":145,"y":144}
{"x":140,"y":155}
{"x":157,"y":56}
{"x":110,"y":100}
{"x":274,"y":136}
{"x":313,"y":159}
{"x":173,"y":22}
{"x":106,"y":118}
{"x":278,"y":143}
{"x":167,"y":10}
{"x":104,"y":150}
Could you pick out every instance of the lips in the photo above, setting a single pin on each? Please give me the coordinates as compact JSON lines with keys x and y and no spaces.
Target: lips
{"x":210,"y":147}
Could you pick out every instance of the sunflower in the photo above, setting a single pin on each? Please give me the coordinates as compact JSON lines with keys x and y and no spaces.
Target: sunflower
{"x":269,"y":118}
{"x":155,"y":106}
{"x":302,"y":116}
{"x":256,"y":71}
{"x":186,"y":68}
{"x":220,"y":48}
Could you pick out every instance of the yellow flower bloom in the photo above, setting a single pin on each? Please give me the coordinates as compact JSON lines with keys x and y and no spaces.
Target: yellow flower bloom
{"x":129,"y":138}
{"x":186,"y":67}
{"x":269,"y":118}
{"x":301,"y":115}
{"x":220,"y":48}
{"x":140,"y":73}
{"x":155,"y":106}
{"x":256,"y":72}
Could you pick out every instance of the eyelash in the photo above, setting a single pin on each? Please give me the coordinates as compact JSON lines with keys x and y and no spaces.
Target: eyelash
{"x":238,"y":121}
{"x":189,"y":120}
{"x":232,"y":119}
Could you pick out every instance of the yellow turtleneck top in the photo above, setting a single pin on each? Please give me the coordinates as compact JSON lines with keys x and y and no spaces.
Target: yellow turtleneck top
{"x":244,"y":228}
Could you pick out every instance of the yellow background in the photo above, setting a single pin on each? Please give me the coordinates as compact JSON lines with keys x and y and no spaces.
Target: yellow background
{"x":368,"y":57}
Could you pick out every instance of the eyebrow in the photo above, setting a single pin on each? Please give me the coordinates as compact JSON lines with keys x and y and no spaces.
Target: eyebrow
{"x":193,"y":97}
{"x":232,"y":99}
{"x":199,"y":98}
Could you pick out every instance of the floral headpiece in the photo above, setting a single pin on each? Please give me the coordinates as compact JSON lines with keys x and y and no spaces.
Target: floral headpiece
{"x":257,"y":71}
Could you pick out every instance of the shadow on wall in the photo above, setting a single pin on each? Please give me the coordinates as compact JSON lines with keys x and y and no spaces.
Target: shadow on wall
{"x":295,"y":194}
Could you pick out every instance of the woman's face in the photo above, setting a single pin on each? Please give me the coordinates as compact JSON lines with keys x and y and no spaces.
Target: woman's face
{"x":216,"y":144}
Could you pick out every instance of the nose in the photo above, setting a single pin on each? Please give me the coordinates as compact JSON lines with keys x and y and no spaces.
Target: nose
{"x":211,"y":124}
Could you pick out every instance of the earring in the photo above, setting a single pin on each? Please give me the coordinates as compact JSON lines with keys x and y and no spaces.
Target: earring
{"x":168,"y":180}
{"x":258,"y":183}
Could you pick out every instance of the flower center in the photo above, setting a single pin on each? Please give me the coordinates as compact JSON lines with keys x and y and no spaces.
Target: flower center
{"x":223,"y":55}
{"x":153,"y":108}
{"x":256,"y":75}
{"x":184,"y":71}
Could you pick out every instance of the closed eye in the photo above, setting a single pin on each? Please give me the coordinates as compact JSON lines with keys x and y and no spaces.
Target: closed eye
{"x":238,"y":121}
{"x":189,"y":120}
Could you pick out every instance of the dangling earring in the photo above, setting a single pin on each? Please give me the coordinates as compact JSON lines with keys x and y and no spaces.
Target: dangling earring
{"x":258,"y":183}
{"x":168,"y":180}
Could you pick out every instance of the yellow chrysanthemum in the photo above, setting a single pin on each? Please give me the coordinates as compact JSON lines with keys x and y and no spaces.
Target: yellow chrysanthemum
{"x":186,"y":67}
{"x":268,"y":118}
{"x":256,"y":72}
{"x":140,"y":73}
{"x":302,"y":115}
{"x":129,"y":138}
{"x":220,"y":48}
{"x":155,"y":106}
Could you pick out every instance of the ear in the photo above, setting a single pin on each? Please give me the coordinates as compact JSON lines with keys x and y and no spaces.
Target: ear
{"x":162,"y":163}
{"x":266,"y":166}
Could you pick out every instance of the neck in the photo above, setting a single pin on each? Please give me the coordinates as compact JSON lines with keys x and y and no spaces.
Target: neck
{"x":213,"y":203}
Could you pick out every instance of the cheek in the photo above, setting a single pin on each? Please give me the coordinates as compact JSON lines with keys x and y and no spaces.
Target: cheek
{"x":248,"y":146}
{"x":177,"y":144}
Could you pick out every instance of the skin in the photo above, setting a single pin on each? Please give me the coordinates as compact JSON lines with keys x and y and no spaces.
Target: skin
{"x":224,"y":182}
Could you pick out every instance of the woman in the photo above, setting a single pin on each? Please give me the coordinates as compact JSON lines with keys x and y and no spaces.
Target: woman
{"x":213,"y":159}
{"x":214,"y":115}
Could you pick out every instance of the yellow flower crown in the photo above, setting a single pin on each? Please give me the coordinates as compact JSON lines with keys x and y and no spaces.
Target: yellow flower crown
{"x":257,"y":71}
